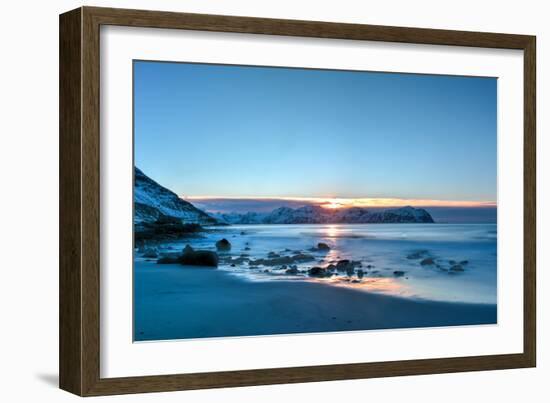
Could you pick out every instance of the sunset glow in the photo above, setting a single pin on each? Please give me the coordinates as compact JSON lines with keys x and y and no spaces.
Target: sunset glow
{"x":335,"y":203}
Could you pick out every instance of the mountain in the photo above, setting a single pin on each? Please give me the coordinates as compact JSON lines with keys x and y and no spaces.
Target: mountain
{"x":153,"y":202}
{"x":321,"y":215}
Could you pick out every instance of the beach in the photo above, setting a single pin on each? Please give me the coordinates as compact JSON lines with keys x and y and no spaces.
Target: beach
{"x":184,"y":302}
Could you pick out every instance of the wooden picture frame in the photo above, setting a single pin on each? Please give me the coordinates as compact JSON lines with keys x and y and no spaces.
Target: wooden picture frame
{"x":79,"y":346}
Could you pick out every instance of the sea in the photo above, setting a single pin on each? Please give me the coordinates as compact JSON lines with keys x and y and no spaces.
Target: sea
{"x":439,"y":262}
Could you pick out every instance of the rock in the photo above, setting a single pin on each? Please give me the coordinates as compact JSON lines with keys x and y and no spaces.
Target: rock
{"x":243,"y":233}
{"x":317,"y":272}
{"x":323,"y":246}
{"x":188,"y":248}
{"x":360,"y":273}
{"x":370,"y":266}
{"x":463,"y":263}
{"x":457,"y":268}
{"x":237,"y":260}
{"x":302,"y":257}
{"x":417,"y":254}
{"x":272,"y":255}
{"x":223,"y":245}
{"x":199,"y":258}
{"x":398,"y":273}
{"x":233,"y":265}
{"x":452,"y":262}
{"x":168,"y":260}
{"x":342,"y":265}
{"x":331,"y":267}
{"x":277,"y":261}
{"x":428,"y":261}
{"x":247,"y":248}
{"x":347,"y":265}
{"x":292,"y":270}
{"x":150,"y":253}
{"x":355,"y":281}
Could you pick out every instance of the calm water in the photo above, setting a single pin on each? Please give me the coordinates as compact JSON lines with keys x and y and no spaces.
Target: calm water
{"x":385,"y":247}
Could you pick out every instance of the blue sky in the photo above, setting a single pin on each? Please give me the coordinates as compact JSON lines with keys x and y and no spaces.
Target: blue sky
{"x":256,"y":132}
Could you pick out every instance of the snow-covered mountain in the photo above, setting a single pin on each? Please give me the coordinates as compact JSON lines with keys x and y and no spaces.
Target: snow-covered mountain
{"x":321,"y":215}
{"x":153,"y":201}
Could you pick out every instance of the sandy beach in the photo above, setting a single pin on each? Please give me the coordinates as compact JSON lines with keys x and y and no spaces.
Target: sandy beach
{"x":181,"y":302}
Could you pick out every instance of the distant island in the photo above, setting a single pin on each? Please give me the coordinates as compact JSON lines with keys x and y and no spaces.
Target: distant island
{"x":323,"y":215}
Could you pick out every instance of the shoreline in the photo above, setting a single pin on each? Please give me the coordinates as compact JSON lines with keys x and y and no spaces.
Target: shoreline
{"x":173,"y":302}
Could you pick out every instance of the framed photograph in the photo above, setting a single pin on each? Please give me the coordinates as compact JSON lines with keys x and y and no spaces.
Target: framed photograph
{"x":248,"y":201}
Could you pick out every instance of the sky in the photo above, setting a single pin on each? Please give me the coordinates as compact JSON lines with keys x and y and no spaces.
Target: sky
{"x":255,"y":133}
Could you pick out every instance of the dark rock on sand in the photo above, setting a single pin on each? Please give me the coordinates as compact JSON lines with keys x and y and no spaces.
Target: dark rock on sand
{"x":428,"y":261}
{"x":199,"y":258}
{"x":457,"y":268}
{"x":223,"y":245}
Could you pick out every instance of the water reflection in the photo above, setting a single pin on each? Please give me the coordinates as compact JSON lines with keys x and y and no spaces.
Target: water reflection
{"x":385,"y":285}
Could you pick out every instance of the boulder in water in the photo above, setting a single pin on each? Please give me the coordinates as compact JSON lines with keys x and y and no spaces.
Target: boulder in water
{"x":427,"y":262}
{"x":318,"y":272}
{"x":323,"y":246}
{"x":223,"y":245}
{"x":457,"y":268}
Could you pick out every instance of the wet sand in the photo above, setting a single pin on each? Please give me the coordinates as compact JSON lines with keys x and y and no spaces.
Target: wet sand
{"x":180,"y":302}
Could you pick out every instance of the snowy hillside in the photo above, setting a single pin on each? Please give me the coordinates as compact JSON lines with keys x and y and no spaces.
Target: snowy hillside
{"x":152,"y":201}
{"x":321,"y":215}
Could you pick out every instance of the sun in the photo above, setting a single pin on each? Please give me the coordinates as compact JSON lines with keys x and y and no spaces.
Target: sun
{"x":332,"y":205}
